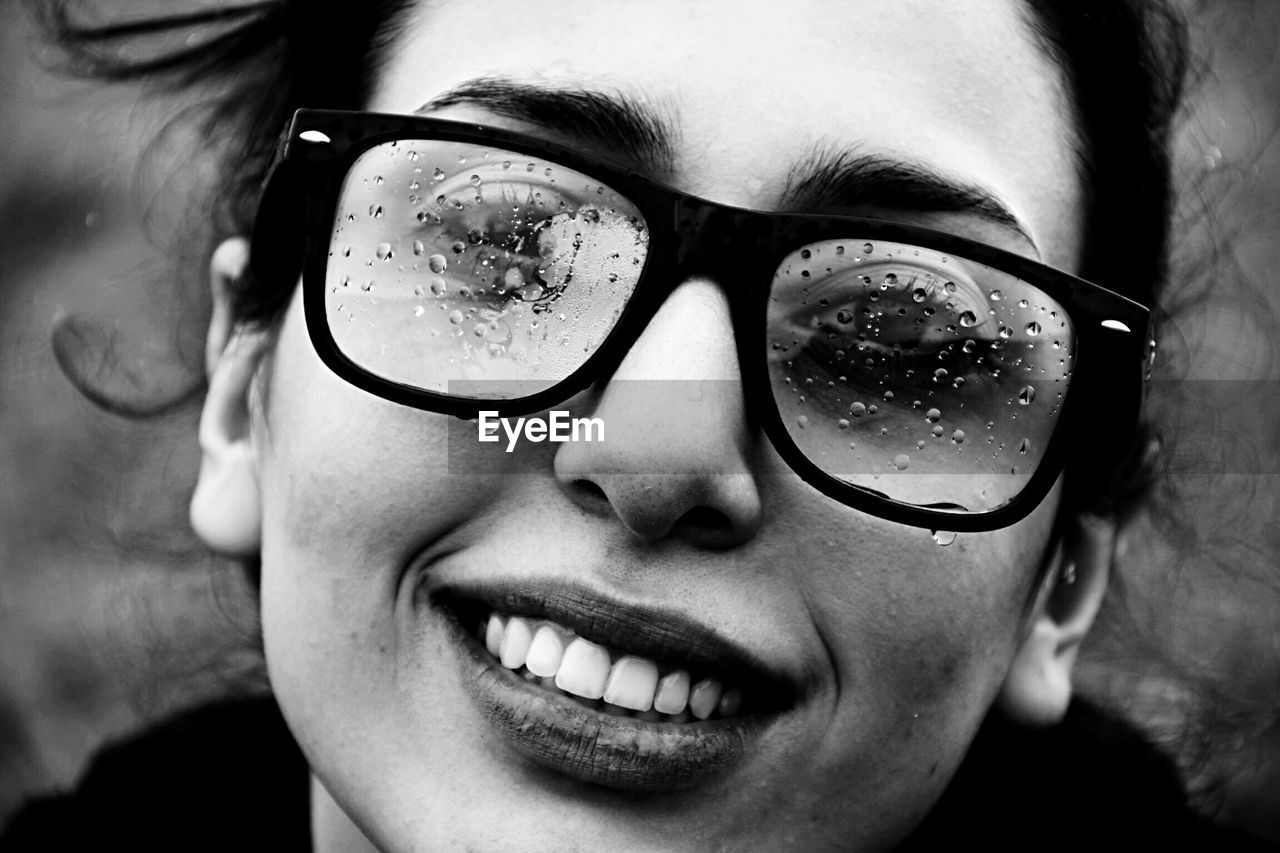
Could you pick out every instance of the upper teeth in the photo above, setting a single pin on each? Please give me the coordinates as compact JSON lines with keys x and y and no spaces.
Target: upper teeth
{"x":588,"y":670}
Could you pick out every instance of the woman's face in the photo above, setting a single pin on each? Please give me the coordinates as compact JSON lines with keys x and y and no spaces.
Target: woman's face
{"x":890,"y":647}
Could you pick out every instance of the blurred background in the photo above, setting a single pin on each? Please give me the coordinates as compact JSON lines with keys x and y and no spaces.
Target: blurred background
{"x":112,"y":615}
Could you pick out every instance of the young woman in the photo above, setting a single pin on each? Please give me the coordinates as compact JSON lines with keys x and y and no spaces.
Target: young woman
{"x":860,"y":294}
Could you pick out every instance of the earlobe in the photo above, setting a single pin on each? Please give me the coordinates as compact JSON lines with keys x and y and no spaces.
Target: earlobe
{"x":1037,"y":688}
{"x":226,"y":508}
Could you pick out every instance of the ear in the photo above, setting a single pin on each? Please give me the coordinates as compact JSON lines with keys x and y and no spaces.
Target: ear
{"x":226,"y":509}
{"x":1037,"y":688}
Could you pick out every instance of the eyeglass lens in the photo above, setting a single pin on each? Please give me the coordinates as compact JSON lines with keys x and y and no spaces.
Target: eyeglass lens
{"x":930,"y":379}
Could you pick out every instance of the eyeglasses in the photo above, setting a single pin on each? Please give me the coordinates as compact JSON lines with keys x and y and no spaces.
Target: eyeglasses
{"x":915,"y":375}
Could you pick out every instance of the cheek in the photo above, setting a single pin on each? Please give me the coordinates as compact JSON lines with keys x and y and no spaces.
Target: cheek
{"x":920,"y":634}
{"x":353,"y":488}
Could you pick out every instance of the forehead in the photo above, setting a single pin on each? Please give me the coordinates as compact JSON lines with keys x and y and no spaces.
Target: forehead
{"x":751,"y":89}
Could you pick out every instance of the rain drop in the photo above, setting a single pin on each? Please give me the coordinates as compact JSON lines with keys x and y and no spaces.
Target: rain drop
{"x":480,"y":330}
{"x":996,"y":296}
{"x":919,"y":295}
{"x":949,"y":287}
{"x":458,"y":247}
{"x":968,"y":319}
{"x":438,"y":287}
{"x":419,"y":290}
{"x":418,"y":248}
{"x":844,"y":316}
{"x":802,"y":421}
{"x":418,"y":311}
{"x":438,"y":174}
{"x":891,"y":278}
{"x":933,"y":416}
{"x":969,"y":346}
{"x":437,"y":263}
{"x":902,"y":461}
{"x":867,"y":248}
{"x":943,"y":537}
{"x":1026,"y":395}
{"x":958,"y":436}
{"x":383,"y":251}
{"x":455,"y":317}
{"x":843,"y":423}
{"x":937,"y":431}
{"x":1033,"y":328}
{"x":1024,"y":445}
{"x":940,"y":374}
{"x":858,"y":410}
{"x":1006,"y":332}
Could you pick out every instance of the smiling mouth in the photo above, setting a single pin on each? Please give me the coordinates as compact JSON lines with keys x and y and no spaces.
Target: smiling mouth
{"x":625,"y":697}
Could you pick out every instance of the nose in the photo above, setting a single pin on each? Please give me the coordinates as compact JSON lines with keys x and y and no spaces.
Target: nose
{"x":676,"y":456}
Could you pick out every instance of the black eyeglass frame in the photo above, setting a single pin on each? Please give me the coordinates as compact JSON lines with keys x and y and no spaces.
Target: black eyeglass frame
{"x":690,"y":236}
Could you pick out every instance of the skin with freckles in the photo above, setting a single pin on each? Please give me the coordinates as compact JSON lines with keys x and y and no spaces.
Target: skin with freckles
{"x":902,"y":645}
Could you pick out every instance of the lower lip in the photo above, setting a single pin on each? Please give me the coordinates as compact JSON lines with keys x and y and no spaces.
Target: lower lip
{"x":627,"y":754}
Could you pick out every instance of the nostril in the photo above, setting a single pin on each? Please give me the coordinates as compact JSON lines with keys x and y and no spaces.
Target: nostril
{"x":704,"y":518}
{"x":590,"y":491}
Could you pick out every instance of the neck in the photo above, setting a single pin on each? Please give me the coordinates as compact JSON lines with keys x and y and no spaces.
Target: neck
{"x":332,"y":831}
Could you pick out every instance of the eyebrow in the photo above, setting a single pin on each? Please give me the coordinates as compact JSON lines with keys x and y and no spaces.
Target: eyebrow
{"x":613,"y":122}
{"x":827,"y":178}
{"x":831,"y":179}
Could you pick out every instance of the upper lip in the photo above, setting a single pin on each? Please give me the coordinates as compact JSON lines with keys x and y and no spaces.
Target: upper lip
{"x":657,"y":633}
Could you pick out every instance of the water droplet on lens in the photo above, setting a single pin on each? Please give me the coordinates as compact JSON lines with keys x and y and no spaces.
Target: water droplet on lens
{"x":455,"y":317}
{"x":1026,"y":395}
{"x":943,"y":537}
{"x":377,"y":179}
{"x":933,"y":416}
{"x":958,"y":382}
{"x":419,"y":311}
{"x":806,"y":254}
{"x":867,"y":248}
{"x":949,"y":287}
{"x":802,"y":421}
{"x":475,"y":180}
{"x":480,"y":330}
{"x":968,"y":319}
{"x":457,"y":247}
{"x":937,"y":431}
{"x":1006,"y":332}
{"x":969,"y":346}
{"x":438,"y":174}
{"x":888,"y":396}
{"x":419,"y":290}
{"x":376,"y":211}
{"x":891,"y":278}
{"x":844,"y":316}
{"x":383,"y":251}
{"x":958,"y":436}
{"x":418,"y":248}
{"x":919,"y":295}
{"x":843,"y":423}
{"x":902,"y":461}
{"x":1024,"y":445}
{"x":940,"y":374}
{"x":437,"y":263}
{"x":996,"y":296}
{"x":438,"y":287}
{"x":1033,"y":328}
{"x":858,"y":410}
